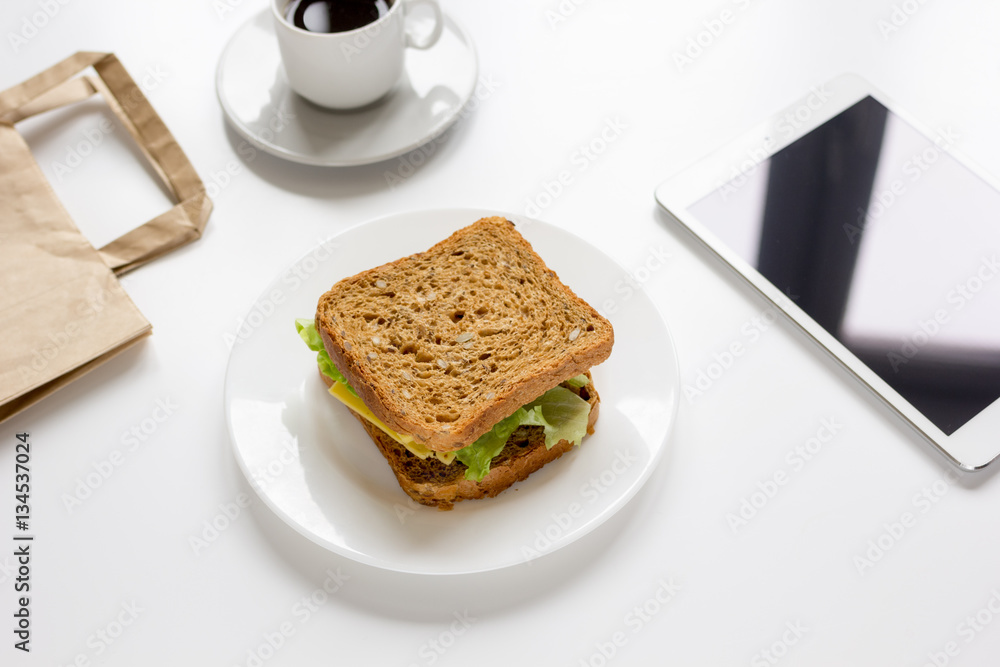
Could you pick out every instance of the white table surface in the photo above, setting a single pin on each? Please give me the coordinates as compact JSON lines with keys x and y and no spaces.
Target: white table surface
{"x":788,"y":582}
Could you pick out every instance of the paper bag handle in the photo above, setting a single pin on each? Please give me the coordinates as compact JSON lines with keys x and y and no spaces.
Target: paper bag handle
{"x":55,"y":87}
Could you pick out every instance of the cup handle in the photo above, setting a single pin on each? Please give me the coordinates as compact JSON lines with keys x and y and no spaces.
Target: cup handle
{"x":431,"y":39}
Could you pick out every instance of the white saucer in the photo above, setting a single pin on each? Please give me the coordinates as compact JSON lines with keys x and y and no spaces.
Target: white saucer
{"x":315,"y":466}
{"x":258,"y":103}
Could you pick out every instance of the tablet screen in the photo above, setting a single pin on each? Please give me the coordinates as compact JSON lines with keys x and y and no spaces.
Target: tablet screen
{"x":887,"y":242}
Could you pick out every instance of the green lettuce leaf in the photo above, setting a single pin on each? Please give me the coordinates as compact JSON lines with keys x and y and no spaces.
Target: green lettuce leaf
{"x":307,"y":331}
{"x":559,"y":411}
{"x":580,"y":380}
{"x":479,"y":454}
{"x":564,"y":415}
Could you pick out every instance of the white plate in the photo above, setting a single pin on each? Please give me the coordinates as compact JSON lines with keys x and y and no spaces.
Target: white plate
{"x":316,"y":467}
{"x":260,"y":106}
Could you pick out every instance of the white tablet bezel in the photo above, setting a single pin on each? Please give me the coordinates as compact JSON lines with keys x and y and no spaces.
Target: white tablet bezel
{"x":971,"y":447}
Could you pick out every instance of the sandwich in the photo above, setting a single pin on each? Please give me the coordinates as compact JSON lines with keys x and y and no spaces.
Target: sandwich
{"x":468,"y":364}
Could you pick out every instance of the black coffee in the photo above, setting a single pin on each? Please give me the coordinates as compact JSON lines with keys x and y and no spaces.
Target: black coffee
{"x":335,"y":15}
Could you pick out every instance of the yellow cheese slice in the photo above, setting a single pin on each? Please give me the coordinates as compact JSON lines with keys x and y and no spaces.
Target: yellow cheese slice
{"x":344,"y":395}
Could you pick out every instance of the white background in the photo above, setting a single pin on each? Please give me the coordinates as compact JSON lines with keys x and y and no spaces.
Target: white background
{"x":794,"y":564}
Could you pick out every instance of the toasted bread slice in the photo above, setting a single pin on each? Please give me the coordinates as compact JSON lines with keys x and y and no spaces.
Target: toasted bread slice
{"x":443,"y":344}
{"x":436,"y":484}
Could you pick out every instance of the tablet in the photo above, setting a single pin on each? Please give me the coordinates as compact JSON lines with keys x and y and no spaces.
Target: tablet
{"x":882,"y":244}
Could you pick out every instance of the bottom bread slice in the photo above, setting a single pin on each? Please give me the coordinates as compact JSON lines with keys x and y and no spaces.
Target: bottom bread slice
{"x":436,"y":484}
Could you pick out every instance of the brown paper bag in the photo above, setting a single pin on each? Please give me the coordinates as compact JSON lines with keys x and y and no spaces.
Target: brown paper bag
{"x":62,"y":310}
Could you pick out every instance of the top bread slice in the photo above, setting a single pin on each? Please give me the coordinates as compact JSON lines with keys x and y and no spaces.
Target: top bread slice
{"x":443,"y":344}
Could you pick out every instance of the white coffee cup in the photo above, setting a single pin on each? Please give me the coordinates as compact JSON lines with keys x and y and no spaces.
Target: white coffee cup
{"x":345,"y":70}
